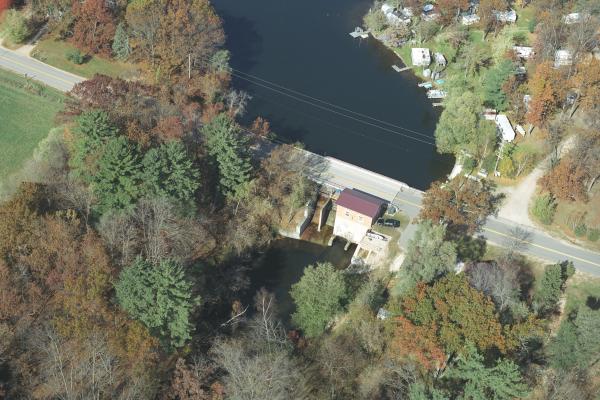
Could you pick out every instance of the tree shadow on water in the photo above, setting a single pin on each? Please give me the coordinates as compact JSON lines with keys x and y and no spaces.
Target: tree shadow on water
{"x":243,"y":40}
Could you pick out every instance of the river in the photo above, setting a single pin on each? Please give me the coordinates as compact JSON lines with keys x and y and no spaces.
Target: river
{"x":305,"y":46}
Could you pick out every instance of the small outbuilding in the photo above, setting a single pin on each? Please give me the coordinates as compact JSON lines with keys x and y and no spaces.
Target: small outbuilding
{"x":469,"y":19}
{"x":421,"y":57}
{"x":563,"y":58}
{"x":509,"y":16}
{"x":523,"y":52}
{"x":439,"y":59}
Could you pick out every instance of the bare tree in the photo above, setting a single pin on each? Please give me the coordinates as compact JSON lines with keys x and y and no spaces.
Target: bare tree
{"x":500,"y":283}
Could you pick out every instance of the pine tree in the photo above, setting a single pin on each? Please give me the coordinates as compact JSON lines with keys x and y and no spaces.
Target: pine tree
{"x":160,"y":297}
{"x":549,"y":289}
{"x":120,"y":45}
{"x":493,"y":94}
{"x":501,"y":382}
{"x":169,"y":172}
{"x":226,"y":145}
{"x":117,"y":182}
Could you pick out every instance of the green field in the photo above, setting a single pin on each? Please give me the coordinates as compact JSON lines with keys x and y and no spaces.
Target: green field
{"x":27,"y":111}
{"x":54,"y":52}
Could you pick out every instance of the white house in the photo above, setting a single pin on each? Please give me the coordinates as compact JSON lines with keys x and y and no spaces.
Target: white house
{"x":523,"y":52}
{"x":439,"y":59}
{"x":572,"y":18}
{"x":420,"y":56}
{"x":469,"y":19}
{"x":509,"y":16}
{"x":392,"y":16}
{"x":563,"y":58}
{"x":502,"y":123}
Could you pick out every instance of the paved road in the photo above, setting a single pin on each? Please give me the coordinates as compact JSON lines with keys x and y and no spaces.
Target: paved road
{"x":37,"y":70}
{"x":340,"y":174}
{"x":499,"y":231}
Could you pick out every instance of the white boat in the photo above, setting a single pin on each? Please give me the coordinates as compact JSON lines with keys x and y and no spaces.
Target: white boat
{"x":436,"y":94}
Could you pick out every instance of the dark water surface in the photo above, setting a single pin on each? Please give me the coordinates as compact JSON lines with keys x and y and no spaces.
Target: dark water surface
{"x":305,"y":46}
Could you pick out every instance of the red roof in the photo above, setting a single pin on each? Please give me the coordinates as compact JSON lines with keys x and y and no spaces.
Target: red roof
{"x":360,"y":202}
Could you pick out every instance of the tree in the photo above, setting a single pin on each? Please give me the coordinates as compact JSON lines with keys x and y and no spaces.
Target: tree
{"x":226,"y":145}
{"x":547,"y":90}
{"x":318,"y":296}
{"x":429,"y":255}
{"x":586,"y":82}
{"x":462,"y":203}
{"x":458,"y":313}
{"x":92,"y":131}
{"x":544,"y":207}
{"x":493,"y":83}
{"x":158,"y":296}
{"x":418,"y":343}
{"x":120,"y":45}
{"x":15,"y":26}
{"x":117,"y":182}
{"x":500,"y":382}
{"x":566,"y":181}
{"x":169,"y":172}
{"x":549,"y":289}
{"x":498,"y":282}
{"x":487,"y":12}
{"x":143,"y":17}
{"x":94,"y":26}
{"x":458,"y":125}
{"x":450,"y":9}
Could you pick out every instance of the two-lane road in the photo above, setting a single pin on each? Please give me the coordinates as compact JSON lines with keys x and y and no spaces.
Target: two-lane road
{"x":340,"y":174}
{"x":53,"y":77}
{"x":496,"y":230}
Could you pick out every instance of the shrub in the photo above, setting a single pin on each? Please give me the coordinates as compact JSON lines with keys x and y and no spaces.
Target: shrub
{"x":469,"y":163}
{"x":544,"y":208}
{"x":75,"y":56}
{"x":16,"y":27}
{"x":531,"y":25}
{"x":593,"y":235}
{"x":580,"y":230}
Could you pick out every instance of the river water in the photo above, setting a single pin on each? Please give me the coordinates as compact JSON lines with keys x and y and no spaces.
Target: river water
{"x":305,"y":46}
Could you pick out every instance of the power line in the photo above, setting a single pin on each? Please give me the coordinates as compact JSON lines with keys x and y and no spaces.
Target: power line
{"x":334,"y":111}
{"x":331,"y":104}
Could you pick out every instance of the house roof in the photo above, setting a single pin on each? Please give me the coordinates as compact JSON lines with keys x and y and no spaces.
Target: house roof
{"x":361,"y":202}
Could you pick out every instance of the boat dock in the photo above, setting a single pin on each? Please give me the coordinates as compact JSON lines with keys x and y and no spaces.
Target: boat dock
{"x":398,"y":69}
{"x":438,"y":104}
{"x":436,"y":94}
{"x":359,"y":33}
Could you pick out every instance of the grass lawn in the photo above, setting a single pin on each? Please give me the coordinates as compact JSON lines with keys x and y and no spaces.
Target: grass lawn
{"x":54,"y":52}
{"x":27,"y":111}
{"x":582,"y":289}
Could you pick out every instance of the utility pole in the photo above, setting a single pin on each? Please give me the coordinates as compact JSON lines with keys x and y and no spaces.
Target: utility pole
{"x":190,"y":66}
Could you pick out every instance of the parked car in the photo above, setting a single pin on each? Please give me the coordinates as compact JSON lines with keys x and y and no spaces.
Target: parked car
{"x":391,"y":223}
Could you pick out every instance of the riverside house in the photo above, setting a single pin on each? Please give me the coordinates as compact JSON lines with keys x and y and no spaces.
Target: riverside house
{"x":356,"y":212}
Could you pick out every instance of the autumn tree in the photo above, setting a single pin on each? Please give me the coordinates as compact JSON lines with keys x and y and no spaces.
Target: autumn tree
{"x":547,"y":92}
{"x":566,"y":181}
{"x":458,"y":313}
{"x":586,"y":82}
{"x":487,"y":12}
{"x":94,"y":26}
{"x":451,"y":9}
{"x":418,"y":343}
{"x":462,"y":203}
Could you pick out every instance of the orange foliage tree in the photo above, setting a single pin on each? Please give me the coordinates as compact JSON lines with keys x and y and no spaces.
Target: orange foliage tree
{"x":94,"y":27}
{"x":566,"y":181}
{"x":547,"y":91}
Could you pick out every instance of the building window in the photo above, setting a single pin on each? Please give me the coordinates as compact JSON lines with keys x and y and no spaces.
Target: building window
{"x":347,"y":213}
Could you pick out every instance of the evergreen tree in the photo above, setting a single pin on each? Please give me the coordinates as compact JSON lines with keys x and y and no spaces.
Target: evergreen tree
{"x":168,"y":172}
{"x":227,"y":146}
{"x":501,"y":382}
{"x":550,"y":287}
{"x":563,"y":351}
{"x":117,"y":181}
{"x":120,"y":45}
{"x":93,"y":128}
{"x":493,"y":94}
{"x":160,"y":297}
{"x":318,"y":296}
